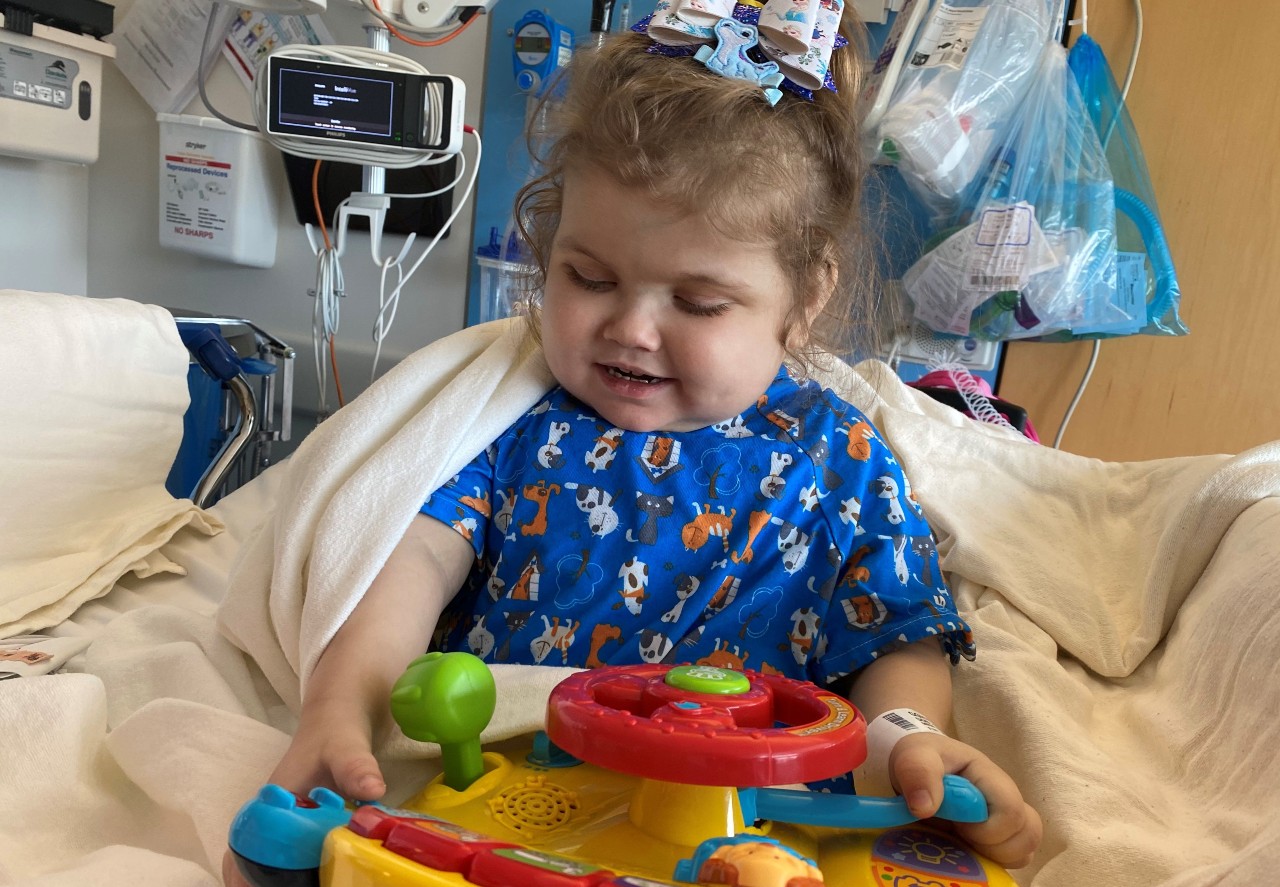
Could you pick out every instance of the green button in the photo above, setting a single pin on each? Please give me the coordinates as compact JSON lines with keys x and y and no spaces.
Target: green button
{"x":708,"y":679}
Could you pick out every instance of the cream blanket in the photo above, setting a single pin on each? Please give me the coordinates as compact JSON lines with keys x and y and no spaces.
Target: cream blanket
{"x":1126,"y":674}
{"x":91,"y":411}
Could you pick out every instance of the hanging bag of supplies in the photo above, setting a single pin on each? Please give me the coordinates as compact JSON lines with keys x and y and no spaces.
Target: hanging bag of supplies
{"x":969,"y":67}
{"x":1033,"y":250}
{"x":1146,"y":281}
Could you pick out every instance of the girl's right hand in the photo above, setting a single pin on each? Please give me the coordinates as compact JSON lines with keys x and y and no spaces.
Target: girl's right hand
{"x":346,"y":697}
{"x":333,"y":751}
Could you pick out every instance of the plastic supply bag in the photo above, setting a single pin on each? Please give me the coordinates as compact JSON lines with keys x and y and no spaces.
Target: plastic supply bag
{"x":1035,"y":251}
{"x":969,"y":68}
{"x":1145,"y":277}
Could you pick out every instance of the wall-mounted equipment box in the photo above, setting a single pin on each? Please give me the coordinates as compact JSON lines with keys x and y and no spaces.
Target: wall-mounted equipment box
{"x":50,"y":91}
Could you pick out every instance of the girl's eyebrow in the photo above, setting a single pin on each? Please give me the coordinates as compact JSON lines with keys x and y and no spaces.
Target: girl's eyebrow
{"x":573,"y":245}
{"x":697,"y":277}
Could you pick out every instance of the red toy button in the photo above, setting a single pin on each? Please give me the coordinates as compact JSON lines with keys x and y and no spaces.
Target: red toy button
{"x":439,"y":845}
{"x":371,"y":821}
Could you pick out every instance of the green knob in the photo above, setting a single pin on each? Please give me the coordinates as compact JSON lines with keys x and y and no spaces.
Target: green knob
{"x":708,"y":679}
{"x":447,"y":698}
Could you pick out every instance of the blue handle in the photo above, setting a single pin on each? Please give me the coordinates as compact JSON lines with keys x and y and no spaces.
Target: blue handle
{"x":215,"y":354}
{"x":961,"y":802}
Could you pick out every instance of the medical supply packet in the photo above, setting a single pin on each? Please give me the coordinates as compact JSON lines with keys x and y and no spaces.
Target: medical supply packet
{"x":1146,"y":280}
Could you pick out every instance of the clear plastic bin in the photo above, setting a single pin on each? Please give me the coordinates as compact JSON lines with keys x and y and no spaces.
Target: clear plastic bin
{"x":504,"y":290}
{"x":506,"y":277}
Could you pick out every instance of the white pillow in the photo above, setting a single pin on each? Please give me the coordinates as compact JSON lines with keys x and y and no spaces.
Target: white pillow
{"x":92,"y":393}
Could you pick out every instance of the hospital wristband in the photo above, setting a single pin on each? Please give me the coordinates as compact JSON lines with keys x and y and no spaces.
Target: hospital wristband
{"x":888,"y":729}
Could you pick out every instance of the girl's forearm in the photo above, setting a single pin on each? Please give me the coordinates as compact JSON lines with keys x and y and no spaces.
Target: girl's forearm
{"x":917,"y":676}
{"x":391,"y":625}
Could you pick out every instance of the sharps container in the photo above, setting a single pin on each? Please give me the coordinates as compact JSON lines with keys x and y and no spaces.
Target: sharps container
{"x":216,"y":196}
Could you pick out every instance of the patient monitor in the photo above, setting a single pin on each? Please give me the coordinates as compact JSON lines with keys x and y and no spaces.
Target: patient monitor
{"x":336,"y":103}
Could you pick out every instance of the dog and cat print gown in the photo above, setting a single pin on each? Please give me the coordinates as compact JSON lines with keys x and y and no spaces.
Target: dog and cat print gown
{"x":785,"y":540}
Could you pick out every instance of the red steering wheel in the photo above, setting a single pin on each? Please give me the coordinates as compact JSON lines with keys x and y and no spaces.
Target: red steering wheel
{"x":705,"y":726}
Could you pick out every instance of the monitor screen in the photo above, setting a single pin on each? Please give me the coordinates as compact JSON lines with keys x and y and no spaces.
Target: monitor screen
{"x":336,"y":102}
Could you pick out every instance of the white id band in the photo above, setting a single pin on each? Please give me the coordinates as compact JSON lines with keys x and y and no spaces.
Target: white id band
{"x":887,"y":730}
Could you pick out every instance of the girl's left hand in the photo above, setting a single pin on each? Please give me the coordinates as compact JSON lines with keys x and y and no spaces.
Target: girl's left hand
{"x":1012,"y":831}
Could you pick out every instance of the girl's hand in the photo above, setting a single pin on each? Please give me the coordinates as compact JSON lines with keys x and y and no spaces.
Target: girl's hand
{"x":1012,"y":831}
{"x":333,"y":750}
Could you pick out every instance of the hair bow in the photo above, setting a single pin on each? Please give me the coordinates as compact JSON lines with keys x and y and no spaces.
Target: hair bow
{"x":780,"y":42}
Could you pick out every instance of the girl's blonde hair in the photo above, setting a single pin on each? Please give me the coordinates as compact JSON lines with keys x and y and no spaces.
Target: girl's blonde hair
{"x":790,"y":175}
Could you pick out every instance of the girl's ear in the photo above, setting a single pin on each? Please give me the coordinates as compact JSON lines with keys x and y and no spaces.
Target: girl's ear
{"x":824,"y":288}
{"x":816,"y":299}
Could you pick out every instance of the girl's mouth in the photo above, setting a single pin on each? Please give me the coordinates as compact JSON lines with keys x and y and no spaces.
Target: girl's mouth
{"x":632,"y":377}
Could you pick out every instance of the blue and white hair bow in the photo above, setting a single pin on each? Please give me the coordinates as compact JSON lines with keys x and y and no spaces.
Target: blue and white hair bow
{"x":793,"y":38}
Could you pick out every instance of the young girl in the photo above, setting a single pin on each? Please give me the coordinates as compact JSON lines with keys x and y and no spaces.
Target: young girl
{"x":684,"y":494}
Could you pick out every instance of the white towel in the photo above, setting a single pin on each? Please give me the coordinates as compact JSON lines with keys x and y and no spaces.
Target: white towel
{"x":356,"y":482}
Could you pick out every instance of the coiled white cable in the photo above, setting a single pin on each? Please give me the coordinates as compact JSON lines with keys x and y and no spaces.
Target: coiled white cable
{"x":325,"y":317}
{"x":388,"y":304}
{"x":345,"y":151}
{"x":978,"y":404}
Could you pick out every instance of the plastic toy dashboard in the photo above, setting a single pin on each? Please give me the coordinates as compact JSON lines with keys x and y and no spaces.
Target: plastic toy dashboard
{"x":616,"y":793}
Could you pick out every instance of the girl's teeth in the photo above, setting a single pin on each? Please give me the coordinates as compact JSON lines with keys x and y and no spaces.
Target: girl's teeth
{"x":632,"y":377}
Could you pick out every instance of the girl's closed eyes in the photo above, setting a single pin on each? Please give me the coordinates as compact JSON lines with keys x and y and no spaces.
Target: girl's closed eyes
{"x":688,"y":306}
{"x":579,"y":280}
{"x":702,"y":309}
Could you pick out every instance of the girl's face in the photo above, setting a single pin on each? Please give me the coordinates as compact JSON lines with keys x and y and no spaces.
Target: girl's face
{"x":655,"y":320}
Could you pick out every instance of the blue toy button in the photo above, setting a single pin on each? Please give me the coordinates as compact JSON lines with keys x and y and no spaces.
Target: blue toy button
{"x":280,"y":830}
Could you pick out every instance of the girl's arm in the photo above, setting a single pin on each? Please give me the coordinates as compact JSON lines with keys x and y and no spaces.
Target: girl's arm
{"x":918,"y":676}
{"x":347,"y":704}
{"x":346,"y":707}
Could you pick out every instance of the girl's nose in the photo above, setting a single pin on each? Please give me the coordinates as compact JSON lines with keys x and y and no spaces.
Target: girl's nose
{"x":632,"y":324}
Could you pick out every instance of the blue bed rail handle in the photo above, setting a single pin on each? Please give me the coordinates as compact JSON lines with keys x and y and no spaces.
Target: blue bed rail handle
{"x":215,"y":354}
{"x":217,"y":359}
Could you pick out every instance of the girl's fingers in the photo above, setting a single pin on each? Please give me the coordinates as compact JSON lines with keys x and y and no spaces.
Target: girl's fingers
{"x":917,"y":771}
{"x":1012,"y":831}
{"x":1018,"y":846}
{"x":356,"y":774}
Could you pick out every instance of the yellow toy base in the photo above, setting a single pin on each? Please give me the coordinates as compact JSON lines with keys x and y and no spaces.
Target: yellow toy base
{"x":529,"y":825}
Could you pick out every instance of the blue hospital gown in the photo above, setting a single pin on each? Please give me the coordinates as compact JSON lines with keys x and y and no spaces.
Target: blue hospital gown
{"x":784,"y":540}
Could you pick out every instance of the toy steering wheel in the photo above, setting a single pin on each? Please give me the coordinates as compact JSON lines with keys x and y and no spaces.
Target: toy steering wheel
{"x":705,"y":726}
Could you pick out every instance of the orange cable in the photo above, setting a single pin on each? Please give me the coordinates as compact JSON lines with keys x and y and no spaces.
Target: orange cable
{"x":333,"y":362}
{"x":445,"y":39}
{"x":315,"y":199}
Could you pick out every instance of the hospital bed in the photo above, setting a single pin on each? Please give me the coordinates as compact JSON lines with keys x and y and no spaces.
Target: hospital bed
{"x":237,"y":374}
{"x":1125,"y":613}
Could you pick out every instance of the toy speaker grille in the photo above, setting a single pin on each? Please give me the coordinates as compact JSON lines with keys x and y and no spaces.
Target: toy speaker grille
{"x":534,"y":807}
